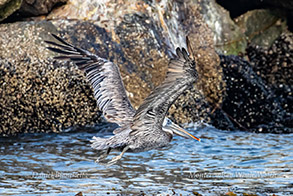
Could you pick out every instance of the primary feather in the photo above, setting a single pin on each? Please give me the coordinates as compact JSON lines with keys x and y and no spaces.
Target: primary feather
{"x":105,"y":79}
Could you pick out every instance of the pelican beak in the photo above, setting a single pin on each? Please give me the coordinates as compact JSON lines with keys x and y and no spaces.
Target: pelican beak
{"x":181,"y":132}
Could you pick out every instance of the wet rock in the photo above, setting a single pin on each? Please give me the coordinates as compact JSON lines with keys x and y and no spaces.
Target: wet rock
{"x":38,"y":7}
{"x":249,"y":103}
{"x":7,"y":7}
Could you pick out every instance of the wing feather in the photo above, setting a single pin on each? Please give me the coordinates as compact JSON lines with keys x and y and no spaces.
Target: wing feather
{"x":181,"y":74}
{"x":105,"y":79}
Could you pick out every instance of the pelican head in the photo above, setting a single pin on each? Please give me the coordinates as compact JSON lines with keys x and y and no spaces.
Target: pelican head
{"x":170,"y":127}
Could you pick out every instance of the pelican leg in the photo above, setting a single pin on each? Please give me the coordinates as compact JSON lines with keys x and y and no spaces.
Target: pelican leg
{"x":103,"y":156}
{"x":115,"y":159}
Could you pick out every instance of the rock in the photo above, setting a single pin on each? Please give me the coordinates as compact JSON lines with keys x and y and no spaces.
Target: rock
{"x":275,"y":66}
{"x":139,"y":41}
{"x":7,"y":7}
{"x":37,"y":94}
{"x":239,"y":7}
{"x":210,"y":81}
{"x":155,"y":29}
{"x":228,"y":37}
{"x":26,"y":8}
{"x":98,"y":41}
{"x":261,"y":27}
{"x":249,"y":103}
{"x":38,"y":7}
{"x":41,"y":94}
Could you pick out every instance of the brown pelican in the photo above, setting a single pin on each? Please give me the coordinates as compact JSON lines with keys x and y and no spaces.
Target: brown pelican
{"x":141,"y":130}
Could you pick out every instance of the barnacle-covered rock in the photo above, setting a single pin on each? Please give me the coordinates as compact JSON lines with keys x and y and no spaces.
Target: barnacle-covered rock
{"x":250,"y":103}
{"x":275,"y":66}
{"x":137,"y":42}
{"x":37,"y":93}
{"x":42,"y":94}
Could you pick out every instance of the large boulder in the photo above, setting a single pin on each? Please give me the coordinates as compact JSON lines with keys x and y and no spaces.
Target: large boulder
{"x":250,"y":104}
{"x":228,"y":37}
{"x":136,"y":42}
{"x":275,"y":66}
{"x":261,"y":27}
{"x":42,"y":94}
{"x":38,"y":94}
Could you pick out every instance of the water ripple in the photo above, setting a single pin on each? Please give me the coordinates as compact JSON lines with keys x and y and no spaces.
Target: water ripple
{"x":224,"y":161}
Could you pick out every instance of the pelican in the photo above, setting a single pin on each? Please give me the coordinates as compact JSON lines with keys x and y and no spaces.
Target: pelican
{"x":141,"y":130}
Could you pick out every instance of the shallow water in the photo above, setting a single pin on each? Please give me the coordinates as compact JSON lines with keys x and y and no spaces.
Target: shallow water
{"x":224,"y":161}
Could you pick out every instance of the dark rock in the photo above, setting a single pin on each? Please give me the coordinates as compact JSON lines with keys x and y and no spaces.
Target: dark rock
{"x":261,"y":27}
{"x":17,"y":10}
{"x":275,"y":66}
{"x":7,"y":7}
{"x":249,"y":103}
{"x":239,"y":7}
{"x":38,"y":7}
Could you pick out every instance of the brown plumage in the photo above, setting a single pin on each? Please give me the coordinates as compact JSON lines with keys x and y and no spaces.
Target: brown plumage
{"x":140,"y":130}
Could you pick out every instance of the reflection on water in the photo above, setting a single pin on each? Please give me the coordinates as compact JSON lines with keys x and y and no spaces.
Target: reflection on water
{"x":222,"y":162}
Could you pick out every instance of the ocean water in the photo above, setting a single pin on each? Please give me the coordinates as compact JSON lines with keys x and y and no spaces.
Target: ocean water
{"x":64,"y":164}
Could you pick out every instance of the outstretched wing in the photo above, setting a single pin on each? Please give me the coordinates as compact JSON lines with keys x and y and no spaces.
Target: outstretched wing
{"x":105,"y":79}
{"x":180,"y":75}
